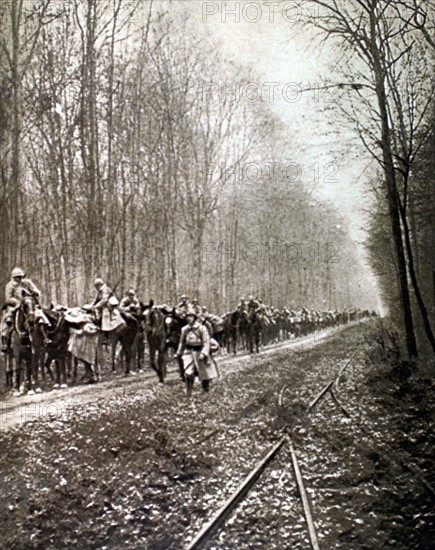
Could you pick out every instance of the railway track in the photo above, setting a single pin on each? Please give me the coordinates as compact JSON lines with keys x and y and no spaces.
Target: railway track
{"x":229,"y":507}
{"x":238,"y":506}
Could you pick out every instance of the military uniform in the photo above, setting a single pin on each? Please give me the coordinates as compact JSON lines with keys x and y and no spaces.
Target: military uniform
{"x":14,"y":291}
{"x":194,"y":347}
{"x":100,"y":305}
{"x":129,"y":302}
{"x":184,"y":306}
{"x":253,"y":305}
{"x":196,"y":308}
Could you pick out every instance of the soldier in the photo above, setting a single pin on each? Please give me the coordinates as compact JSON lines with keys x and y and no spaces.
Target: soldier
{"x":99,"y":305}
{"x":242,"y":304}
{"x":184,"y":306}
{"x":194,"y":350}
{"x":17,"y":285}
{"x":196,"y":307}
{"x":253,"y":304}
{"x":130,"y":301}
{"x":115,"y":318}
{"x":15,"y":289}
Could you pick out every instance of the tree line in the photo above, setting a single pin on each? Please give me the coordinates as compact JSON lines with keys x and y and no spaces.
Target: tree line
{"x":117,"y":160}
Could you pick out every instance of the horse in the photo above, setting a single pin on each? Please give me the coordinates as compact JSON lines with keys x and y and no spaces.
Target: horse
{"x":6,"y":345}
{"x":215,"y":326}
{"x":229,"y":338}
{"x":129,"y":334}
{"x":155,"y":330}
{"x":243,"y":328}
{"x":21,"y":345}
{"x":253,"y":330}
{"x":56,"y":338}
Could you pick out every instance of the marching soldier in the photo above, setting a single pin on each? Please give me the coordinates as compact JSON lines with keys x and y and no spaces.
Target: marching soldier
{"x":194,"y":349}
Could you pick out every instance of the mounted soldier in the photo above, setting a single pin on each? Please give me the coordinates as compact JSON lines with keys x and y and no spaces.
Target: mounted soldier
{"x":196,"y":307}
{"x":184,"y":306}
{"x":194,"y":350}
{"x":100,"y":303}
{"x":241,"y":306}
{"x":253,"y":304}
{"x":130,"y":301}
{"x":18,"y":287}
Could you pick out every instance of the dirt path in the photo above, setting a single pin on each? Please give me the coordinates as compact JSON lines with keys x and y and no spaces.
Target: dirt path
{"x":137,"y":465}
{"x":17,"y":411}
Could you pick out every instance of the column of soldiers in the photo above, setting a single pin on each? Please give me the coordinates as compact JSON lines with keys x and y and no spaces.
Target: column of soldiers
{"x":105,"y":301}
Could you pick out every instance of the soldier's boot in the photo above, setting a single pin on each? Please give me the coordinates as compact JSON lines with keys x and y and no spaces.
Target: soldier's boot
{"x":206,"y":385}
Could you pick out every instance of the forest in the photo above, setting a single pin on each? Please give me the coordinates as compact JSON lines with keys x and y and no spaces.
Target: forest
{"x":118,"y":160}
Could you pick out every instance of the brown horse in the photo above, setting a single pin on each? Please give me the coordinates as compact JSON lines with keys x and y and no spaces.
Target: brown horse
{"x":7,"y":327}
{"x":130,"y":336}
{"x":155,"y":330}
{"x":26,"y":361}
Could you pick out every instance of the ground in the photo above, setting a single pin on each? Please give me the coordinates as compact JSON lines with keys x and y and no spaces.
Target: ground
{"x":136,"y":465}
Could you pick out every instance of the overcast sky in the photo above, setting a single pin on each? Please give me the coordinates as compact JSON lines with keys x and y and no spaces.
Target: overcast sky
{"x":289,"y":57}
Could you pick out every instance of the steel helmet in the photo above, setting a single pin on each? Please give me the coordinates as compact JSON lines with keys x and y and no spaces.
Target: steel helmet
{"x":18,"y":272}
{"x":192,"y":313}
{"x":251,"y":297}
{"x":98,"y":281}
{"x":195,"y":301}
{"x":184,"y":297}
{"x":113,"y":301}
{"x":131,"y":291}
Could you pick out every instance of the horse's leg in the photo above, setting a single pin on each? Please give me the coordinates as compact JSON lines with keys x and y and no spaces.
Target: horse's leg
{"x":75,"y":365}
{"x":47,"y":367}
{"x":40,"y":365}
{"x":153,"y":352}
{"x":62,"y":369}
{"x":17,"y":370}
{"x":113,"y":343}
{"x":29,"y":374}
{"x":161,"y":367}
{"x":128,"y":356}
{"x":140,"y":348}
{"x":35,"y":361}
{"x":9,"y":370}
{"x":95,"y":367}
{"x":68,"y":366}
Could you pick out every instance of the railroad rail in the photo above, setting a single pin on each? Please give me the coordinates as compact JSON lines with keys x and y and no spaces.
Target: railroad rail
{"x":221,"y":515}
